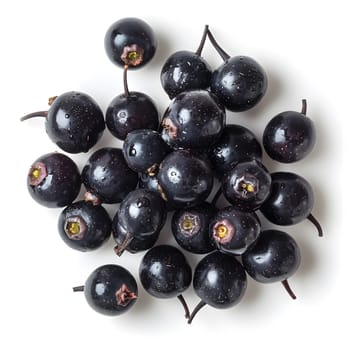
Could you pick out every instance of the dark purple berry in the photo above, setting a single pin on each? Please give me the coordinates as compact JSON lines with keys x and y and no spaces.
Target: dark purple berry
{"x":84,"y":226}
{"x":54,"y":180}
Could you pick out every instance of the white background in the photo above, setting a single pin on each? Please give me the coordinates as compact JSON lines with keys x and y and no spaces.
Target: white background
{"x":48,"y":48}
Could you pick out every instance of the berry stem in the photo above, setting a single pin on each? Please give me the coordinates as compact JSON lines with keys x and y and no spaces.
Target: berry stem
{"x":303,"y":106}
{"x":288,"y":289}
{"x":78,"y":289}
{"x":34,"y":115}
{"x":202,"y":42}
{"x":125,"y":80}
{"x":316,"y":223}
{"x":217,"y":196}
{"x":119,"y":249}
{"x":195,"y":311}
{"x":223,"y":54}
{"x":185,"y":306}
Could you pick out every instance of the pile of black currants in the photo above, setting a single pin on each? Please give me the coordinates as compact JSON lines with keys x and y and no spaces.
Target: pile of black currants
{"x":168,"y":165}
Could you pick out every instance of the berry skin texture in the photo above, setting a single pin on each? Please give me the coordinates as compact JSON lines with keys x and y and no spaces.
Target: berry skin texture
{"x":141,"y":214}
{"x":144,"y":150}
{"x":185,"y":180}
{"x":289,"y":136}
{"x":131,"y":112}
{"x":193,"y":119}
{"x":274,"y":257}
{"x":236,"y":144}
{"x":111,"y":290}
{"x":75,"y":122}
{"x":131,"y":42}
{"x":234,"y":231}
{"x":239,"y":83}
{"x":54,"y":180}
{"x":190,"y":228}
{"x":247,"y":185}
{"x":291,"y":199}
{"x":164,"y":272}
{"x":107,"y":176}
{"x":84,"y":226}
{"x":219,"y":281}
{"x":185,"y":71}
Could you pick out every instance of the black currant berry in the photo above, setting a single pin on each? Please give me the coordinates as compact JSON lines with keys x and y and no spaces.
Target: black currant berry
{"x":84,"y":226}
{"x":247,"y":185}
{"x":273,"y":258}
{"x":192,"y":120}
{"x":131,"y":42}
{"x":289,"y":136}
{"x":144,"y":150}
{"x":185,"y":180}
{"x":131,"y":111}
{"x":141,"y":214}
{"x":74,"y":121}
{"x":234,"y":231}
{"x":185,"y":71}
{"x":190,"y":228}
{"x":110,"y":290}
{"x":219,"y":280}
{"x":107,"y":177}
{"x":239,"y":83}
{"x":291,"y":200}
{"x":54,"y":180}
{"x":236,"y":144}
{"x":165,"y":273}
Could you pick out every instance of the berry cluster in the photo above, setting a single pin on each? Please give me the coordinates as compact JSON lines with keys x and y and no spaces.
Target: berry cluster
{"x":169,"y":164}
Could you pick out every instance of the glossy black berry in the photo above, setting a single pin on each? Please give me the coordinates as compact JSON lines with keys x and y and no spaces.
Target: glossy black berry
{"x":110,"y":290}
{"x":165,"y":273}
{"x":234,"y":231}
{"x":239,"y":83}
{"x":247,"y":185}
{"x":54,"y":180}
{"x":289,"y":136}
{"x":291,"y":200}
{"x":219,"y":280}
{"x":192,"y":120}
{"x":84,"y":226}
{"x":142,"y":213}
{"x":236,"y":144}
{"x":74,"y":121}
{"x":107,"y":176}
{"x":185,"y":71}
{"x":185,"y":180}
{"x":131,"y":42}
{"x":190,"y":228}
{"x":273,"y":258}
{"x":131,"y":112}
{"x":144,"y":150}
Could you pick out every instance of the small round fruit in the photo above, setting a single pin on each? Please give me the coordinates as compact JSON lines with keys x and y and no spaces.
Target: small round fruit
{"x":84,"y":226}
{"x":247,"y":185}
{"x":131,"y":112}
{"x":273,"y":258}
{"x":107,"y":176}
{"x":110,"y":290}
{"x":219,"y":280}
{"x":165,"y":272}
{"x":54,"y":180}
{"x":289,"y":136}
{"x":130,"y":41}
{"x":236,"y":144}
{"x":234,"y":231}
{"x":190,"y":228}
{"x":193,"y":119}
{"x":185,"y":179}
{"x":144,"y":150}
